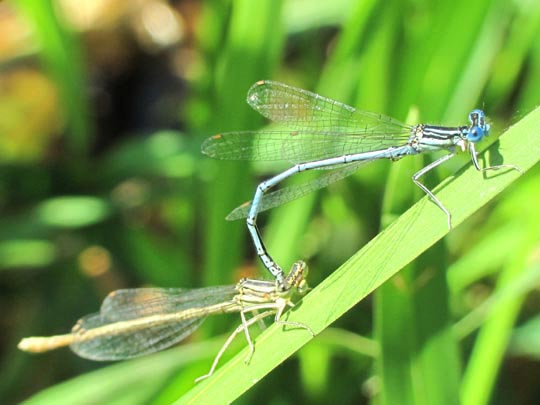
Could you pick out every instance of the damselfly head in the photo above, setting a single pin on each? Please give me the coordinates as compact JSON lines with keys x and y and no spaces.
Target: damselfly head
{"x":479,"y":127}
{"x":296,"y":279}
{"x":297,"y":274}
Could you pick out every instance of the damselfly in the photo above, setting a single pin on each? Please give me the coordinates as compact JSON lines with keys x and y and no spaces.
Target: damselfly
{"x":316,"y":132}
{"x":139,"y":321}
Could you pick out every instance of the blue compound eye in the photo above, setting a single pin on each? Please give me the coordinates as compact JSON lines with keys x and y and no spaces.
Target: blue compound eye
{"x":475,"y":134}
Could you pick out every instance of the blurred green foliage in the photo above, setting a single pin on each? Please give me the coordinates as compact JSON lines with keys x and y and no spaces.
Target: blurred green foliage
{"x":103,"y":108}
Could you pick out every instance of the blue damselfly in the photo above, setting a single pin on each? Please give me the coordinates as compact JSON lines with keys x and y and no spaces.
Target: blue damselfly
{"x":315,"y":132}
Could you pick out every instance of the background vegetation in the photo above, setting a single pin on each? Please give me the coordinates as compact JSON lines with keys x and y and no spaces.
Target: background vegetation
{"x":103,"y":107}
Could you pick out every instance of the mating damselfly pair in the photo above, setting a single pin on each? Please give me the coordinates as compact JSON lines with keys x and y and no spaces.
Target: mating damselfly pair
{"x":140,"y":321}
{"x":315,"y":132}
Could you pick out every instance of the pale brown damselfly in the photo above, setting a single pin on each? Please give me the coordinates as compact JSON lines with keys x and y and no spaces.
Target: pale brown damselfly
{"x":139,"y":321}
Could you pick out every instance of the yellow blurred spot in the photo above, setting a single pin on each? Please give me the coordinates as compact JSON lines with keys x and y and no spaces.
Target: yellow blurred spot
{"x":30,"y":119}
{"x":245,"y":271}
{"x":94,"y":261}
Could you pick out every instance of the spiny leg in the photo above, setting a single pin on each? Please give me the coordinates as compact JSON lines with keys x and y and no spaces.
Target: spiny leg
{"x":242,"y":327}
{"x":426,"y":190}
{"x":474,"y":158}
{"x":248,"y":336}
{"x":299,"y":325}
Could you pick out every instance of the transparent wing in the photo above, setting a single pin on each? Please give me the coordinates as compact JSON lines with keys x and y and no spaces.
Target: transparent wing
{"x":290,"y":193}
{"x":295,"y":146}
{"x":133,"y":303}
{"x":316,"y":127}
{"x":135,"y":322}
{"x":302,"y":109}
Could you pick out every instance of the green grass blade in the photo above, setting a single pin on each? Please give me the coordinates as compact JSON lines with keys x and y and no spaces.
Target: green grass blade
{"x":239,"y":66}
{"x":404,"y":240}
{"x":414,"y":330}
{"x":488,"y":354}
{"x":62,"y":57}
{"x":412,"y":316}
{"x":497,"y":315}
